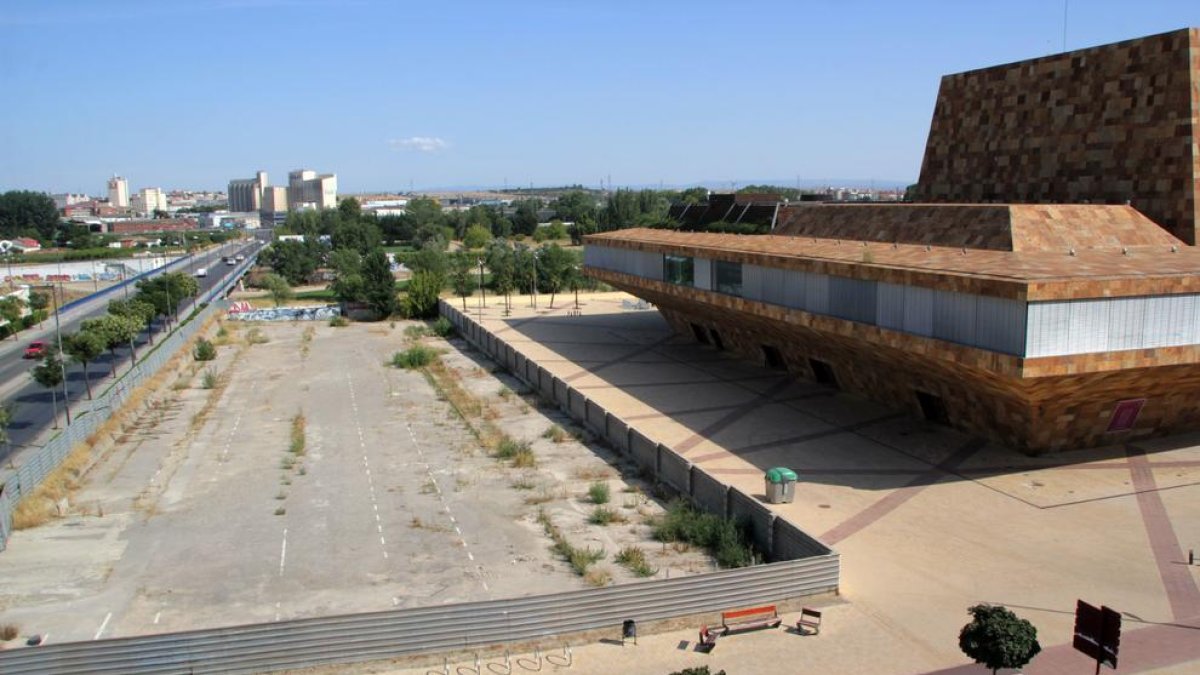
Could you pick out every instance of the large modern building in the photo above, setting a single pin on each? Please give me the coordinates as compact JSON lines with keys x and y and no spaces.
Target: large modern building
{"x":246,"y":194}
{"x":1041,"y":325}
{"x":148,"y":200}
{"x":118,"y":192}
{"x":307,"y":190}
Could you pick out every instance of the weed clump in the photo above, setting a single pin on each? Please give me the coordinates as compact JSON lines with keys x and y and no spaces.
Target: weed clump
{"x":417,"y":356}
{"x":415,"y":331}
{"x":602,"y":515}
{"x":442,"y":327}
{"x":339,"y":321}
{"x":556,"y":434}
{"x":634,"y":559}
{"x":580,"y":559}
{"x":598,"y":492}
{"x":298,"y":441}
{"x":9,"y":631}
{"x":256,"y":337}
{"x":204,"y":350}
{"x":720,"y":536}
{"x":209,"y":380}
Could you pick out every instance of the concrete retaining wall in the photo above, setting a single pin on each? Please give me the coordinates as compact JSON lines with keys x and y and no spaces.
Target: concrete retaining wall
{"x":774,"y":536}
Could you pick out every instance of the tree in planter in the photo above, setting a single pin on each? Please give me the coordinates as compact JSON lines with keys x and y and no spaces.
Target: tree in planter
{"x":997,"y":638}
{"x":462,"y":279}
{"x":554,"y":269}
{"x":49,"y":374}
{"x":83,"y":348}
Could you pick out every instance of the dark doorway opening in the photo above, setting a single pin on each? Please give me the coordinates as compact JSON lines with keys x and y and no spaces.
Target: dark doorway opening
{"x":700,"y":333}
{"x":773,"y":358}
{"x":823,"y":373}
{"x":716,"y":339}
{"x":933,"y":408}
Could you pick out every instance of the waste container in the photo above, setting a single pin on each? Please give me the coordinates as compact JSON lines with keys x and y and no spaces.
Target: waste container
{"x":780,"y":485}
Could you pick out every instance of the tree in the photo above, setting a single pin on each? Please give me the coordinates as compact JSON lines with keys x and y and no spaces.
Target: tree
{"x":379,"y":286}
{"x":10,"y":311}
{"x":576,"y":206}
{"x":38,"y":301}
{"x":294,"y":260}
{"x":83,"y":348}
{"x":421,"y":301}
{"x":349,"y":209}
{"x":423,"y":211}
{"x":278,"y":287}
{"x":27,"y":213}
{"x":6,"y":419}
{"x":502,"y":263}
{"x":137,"y":309}
{"x":347,"y":286}
{"x":554,"y":269}
{"x":49,"y":374}
{"x":997,"y":638}
{"x":694,"y":195}
{"x":525,"y":218}
{"x":357,"y":235}
{"x":477,"y":236}
{"x":462,"y":278}
{"x":115,"y":331}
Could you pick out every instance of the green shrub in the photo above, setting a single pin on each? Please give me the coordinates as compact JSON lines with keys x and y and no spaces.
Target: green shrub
{"x":443,"y":328}
{"x":415,"y":331}
{"x":634,"y":559}
{"x":339,"y":321}
{"x":602,"y":515}
{"x":417,"y":356}
{"x":598,"y":492}
{"x":204,"y":350}
{"x":209,"y":380}
{"x":721,"y":536}
{"x":509,"y":448}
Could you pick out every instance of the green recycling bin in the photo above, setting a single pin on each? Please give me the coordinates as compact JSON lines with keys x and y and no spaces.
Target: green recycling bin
{"x":780,"y":485}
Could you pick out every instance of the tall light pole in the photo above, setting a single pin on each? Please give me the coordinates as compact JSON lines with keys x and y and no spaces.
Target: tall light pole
{"x":482,"y":292}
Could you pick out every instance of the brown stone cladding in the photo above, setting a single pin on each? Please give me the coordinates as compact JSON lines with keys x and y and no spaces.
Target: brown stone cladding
{"x":1112,"y":124}
{"x":1010,"y":400}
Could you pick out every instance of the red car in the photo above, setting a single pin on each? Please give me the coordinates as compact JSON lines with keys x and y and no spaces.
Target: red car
{"x":35,"y":350}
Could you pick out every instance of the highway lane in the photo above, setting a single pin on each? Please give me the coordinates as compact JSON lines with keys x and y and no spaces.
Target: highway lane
{"x":33,"y":405}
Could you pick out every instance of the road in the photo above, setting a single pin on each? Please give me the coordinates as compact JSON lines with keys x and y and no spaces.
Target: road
{"x":33,"y":405}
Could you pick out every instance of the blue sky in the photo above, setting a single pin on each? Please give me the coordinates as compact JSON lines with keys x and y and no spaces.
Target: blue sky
{"x":191,"y":93}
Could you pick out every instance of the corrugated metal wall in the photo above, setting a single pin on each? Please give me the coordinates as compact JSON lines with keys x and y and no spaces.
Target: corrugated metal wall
{"x":1113,"y":324}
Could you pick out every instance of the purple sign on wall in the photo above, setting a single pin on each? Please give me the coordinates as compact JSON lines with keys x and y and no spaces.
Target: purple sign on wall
{"x":1125,"y":414}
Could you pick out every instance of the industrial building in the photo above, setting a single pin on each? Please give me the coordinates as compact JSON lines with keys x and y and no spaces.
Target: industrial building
{"x":1045,"y":296}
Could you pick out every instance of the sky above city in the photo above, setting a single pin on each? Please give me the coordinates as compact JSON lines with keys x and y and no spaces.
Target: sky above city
{"x":189,"y":94}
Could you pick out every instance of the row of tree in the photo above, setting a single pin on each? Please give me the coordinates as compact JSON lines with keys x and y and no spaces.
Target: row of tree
{"x":158,"y":297}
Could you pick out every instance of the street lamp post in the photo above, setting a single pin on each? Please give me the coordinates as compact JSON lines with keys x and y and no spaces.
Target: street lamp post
{"x":62,"y":362}
{"x":482,"y":292}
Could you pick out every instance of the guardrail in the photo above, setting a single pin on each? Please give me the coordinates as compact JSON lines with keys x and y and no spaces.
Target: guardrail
{"x":381,"y":635}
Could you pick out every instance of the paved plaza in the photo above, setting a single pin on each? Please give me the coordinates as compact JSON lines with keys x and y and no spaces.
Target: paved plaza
{"x":928,"y":521}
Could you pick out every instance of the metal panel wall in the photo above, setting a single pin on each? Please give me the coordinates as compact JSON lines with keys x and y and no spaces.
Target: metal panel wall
{"x":852,"y":299}
{"x":1087,"y":327}
{"x":709,"y":493}
{"x":645,"y":451}
{"x":789,"y":542}
{"x":774,"y":285}
{"x":1112,"y":324}
{"x":889,"y":310}
{"x":674,"y":470}
{"x":752,"y":282}
{"x":918,"y":311}
{"x":796,"y":288}
{"x":617,"y":433}
{"x":1000,"y":324}
{"x":702,"y":271}
{"x":758,"y":519}
{"x":816,"y":293}
{"x":954,"y":317}
{"x":305,"y":643}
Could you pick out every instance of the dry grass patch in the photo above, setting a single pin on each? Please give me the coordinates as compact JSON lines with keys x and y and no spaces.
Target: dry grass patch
{"x":298,"y":442}
{"x":40,"y":506}
{"x":9,"y":631}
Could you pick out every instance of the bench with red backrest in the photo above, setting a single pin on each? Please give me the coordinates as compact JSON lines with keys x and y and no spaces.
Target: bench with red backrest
{"x":751,"y":618}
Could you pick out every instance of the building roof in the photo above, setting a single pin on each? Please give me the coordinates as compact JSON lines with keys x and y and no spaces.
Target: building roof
{"x":1049,"y":273}
{"x":998,"y":227}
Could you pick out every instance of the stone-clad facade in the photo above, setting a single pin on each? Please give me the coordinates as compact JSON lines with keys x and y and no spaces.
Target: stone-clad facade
{"x":1107,"y":125}
{"x":1064,"y":319}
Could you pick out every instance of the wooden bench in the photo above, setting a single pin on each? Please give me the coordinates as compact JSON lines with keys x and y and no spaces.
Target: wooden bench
{"x":809,"y":622}
{"x":751,"y":618}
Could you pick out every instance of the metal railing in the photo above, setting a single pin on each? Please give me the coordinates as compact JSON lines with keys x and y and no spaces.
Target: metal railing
{"x":352,"y":638}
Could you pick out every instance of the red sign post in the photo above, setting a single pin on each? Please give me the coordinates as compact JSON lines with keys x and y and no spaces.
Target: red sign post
{"x":1097,"y":633}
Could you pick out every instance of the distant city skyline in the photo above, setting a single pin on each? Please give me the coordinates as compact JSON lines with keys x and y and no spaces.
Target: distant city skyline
{"x":192,"y":94}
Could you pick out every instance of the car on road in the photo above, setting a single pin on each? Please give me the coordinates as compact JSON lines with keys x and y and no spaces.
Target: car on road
{"x":202,"y":272}
{"x":35,"y":350}
{"x":240,"y":257}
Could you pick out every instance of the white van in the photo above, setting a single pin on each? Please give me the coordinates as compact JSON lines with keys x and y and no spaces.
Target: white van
{"x":202,"y":272}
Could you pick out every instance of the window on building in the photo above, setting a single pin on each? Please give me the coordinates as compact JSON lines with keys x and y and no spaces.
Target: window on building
{"x":727,"y":277}
{"x":679,"y":269}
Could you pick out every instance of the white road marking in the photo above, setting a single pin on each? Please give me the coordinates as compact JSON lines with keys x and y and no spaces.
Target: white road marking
{"x":457,"y":531}
{"x":470,"y":555}
{"x":283,"y":552}
{"x":103,"y":626}
{"x":382,"y":542}
{"x":277,"y":611}
{"x":157,"y":615}
{"x":395,"y":601}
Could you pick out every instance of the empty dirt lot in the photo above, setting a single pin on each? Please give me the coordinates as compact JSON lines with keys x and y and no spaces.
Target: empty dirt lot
{"x":205,"y":511}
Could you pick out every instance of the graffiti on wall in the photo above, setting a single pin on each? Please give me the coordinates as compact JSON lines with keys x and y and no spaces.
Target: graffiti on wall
{"x":244,"y":311}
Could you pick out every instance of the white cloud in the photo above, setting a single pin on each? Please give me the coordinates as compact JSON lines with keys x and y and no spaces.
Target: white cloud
{"x":420,"y":143}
